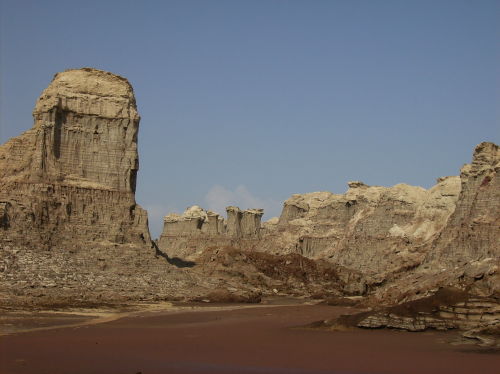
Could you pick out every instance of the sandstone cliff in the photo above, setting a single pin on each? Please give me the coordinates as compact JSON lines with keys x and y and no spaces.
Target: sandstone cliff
{"x":394,"y":243}
{"x":465,"y":255}
{"x":369,"y":229}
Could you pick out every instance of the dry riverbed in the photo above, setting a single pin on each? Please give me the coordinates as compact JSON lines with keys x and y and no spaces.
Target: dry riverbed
{"x":208,"y":338}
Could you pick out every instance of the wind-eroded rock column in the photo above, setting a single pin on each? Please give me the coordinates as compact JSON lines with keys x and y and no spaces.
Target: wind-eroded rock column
{"x":197,"y":229}
{"x":71,"y":178}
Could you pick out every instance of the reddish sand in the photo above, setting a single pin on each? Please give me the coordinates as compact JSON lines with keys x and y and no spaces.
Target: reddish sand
{"x":252,"y":340}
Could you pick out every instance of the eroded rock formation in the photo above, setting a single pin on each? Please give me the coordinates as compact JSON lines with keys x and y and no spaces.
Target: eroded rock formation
{"x":71,"y":178}
{"x":465,"y":255}
{"x":196,"y":230}
{"x":70,"y":228}
{"x":397,"y":244}
{"x":466,"y":251}
{"x":369,"y":228}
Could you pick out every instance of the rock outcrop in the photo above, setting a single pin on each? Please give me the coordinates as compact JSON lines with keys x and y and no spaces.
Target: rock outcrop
{"x":466,"y":253}
{"x":393,"y":244}
{"x":464,"y":256}
{"x":448,"y":308}
{"x":369,"y":228}
{"x":71,"y":178}
{"x":70,"y":228}
{"x":196,"y":230}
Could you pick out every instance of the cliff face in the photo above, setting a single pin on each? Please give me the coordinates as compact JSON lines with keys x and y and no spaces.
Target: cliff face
{"x":466,"y":253}
{"x":196,"y":230}
{"x":472,"y":232}
{"x":70,"y":229}
{"x":371,"y":229}
{"x":71,"y":178}
{"x":403,"y":240}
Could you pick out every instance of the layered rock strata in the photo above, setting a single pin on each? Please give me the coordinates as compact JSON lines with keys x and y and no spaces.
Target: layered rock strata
{"x":189,"y":234}
{"x":466,"y":253}
{"x":369,"y":228}
{"x":71,"y":178}
{"x":70,"y":229}
{"x":406,"y":241}
{"x":448,"y":308}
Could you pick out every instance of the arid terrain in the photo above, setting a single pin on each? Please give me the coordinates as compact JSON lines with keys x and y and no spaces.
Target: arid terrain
{"x":238,"y":339}
{"x":379,"y":279}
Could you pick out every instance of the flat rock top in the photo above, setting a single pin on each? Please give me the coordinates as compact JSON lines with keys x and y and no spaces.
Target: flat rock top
{"x":89,"y":91}
{"x":89,"y":81}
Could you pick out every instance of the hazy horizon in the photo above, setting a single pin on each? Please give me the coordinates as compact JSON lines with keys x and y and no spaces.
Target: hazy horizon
{"x":245,"y":103}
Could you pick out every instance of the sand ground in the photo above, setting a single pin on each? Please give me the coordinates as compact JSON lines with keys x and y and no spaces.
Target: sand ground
{"x":224,"y":339}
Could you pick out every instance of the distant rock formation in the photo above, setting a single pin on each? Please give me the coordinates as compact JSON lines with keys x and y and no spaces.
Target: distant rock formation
{"x":369,"y":228}
{"x":384,"y":233}
{"x":196,"y":230}
{"x":71,"y":178}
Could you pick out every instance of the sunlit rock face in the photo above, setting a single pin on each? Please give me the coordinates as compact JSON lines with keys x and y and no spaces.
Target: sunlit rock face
{"x":369,"y":228}
{"x":71,"y":178}
{"x":70,"y":229}
{"x":195,"y":230}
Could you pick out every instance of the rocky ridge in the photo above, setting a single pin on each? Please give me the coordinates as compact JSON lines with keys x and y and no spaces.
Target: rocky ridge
{"x":399,"y":244}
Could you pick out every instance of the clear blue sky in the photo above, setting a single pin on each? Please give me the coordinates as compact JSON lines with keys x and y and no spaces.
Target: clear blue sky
{"x":247,"y":102}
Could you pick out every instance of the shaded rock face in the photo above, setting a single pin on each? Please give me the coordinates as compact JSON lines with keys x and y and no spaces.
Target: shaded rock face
{"x":71,"y":178}
{"x":466,"y":253}
{"x":472,"y":232}
{"x":196,"y":230}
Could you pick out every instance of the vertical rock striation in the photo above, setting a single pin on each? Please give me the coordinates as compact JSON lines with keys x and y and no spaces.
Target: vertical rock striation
{"x":472,"y":232}
{"x":71,"y":178}
{"x":196,"y":230}
{"x":371,"y":229}
{"x":70,"y":229}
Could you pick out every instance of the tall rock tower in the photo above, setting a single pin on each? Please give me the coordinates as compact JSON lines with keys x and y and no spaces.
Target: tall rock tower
{"x":70,"y":180}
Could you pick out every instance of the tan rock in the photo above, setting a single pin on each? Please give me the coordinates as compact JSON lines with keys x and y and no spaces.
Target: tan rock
{"x":70,"y":229}
{"x":189,"y":234}
{"x":71,"y":178}
{"x":369,"y":228}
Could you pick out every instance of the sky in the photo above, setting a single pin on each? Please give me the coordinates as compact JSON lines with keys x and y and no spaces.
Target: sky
{"x":246,"y":102}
